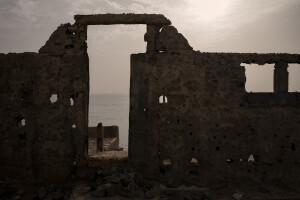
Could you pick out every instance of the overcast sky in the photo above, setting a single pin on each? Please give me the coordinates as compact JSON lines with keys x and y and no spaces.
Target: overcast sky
{"x":262,"y":26}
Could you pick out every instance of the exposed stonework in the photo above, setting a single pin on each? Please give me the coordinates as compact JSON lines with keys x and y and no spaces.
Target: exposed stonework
{"x":170,"y":40}
{"x":207,"y":131}
{"x":53,"y":141}
{"x":210,"y":118}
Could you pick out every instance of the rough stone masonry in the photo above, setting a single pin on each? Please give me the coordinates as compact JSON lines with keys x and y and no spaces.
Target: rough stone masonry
{"x":191,"y":121}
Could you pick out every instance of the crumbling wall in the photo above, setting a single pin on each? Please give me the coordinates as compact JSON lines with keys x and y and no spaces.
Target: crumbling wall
{"x":192,"y":122}
{"x":51,"y":143}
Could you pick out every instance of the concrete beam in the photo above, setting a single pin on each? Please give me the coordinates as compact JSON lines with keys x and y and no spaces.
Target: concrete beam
{"x":107,"y":19}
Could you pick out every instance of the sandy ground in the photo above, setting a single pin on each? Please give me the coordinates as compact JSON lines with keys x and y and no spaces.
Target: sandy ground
{"x":105,"y":155}
{"x":116,"y":155}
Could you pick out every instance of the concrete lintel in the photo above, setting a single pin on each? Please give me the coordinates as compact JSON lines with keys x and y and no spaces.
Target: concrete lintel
{"x":107,"y":19}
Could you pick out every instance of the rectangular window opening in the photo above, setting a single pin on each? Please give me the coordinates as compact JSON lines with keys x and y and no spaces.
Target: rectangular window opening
{"x":259,"y":78}
{"x":294,"y":80}
{"x":109,"y":49}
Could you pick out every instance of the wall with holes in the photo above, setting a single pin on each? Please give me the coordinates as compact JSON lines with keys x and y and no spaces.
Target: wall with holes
{"x":192,"y":121}
{"x":43,"y":109}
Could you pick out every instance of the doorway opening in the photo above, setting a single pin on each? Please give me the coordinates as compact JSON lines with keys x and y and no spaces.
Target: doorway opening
{"x":109,"y":49}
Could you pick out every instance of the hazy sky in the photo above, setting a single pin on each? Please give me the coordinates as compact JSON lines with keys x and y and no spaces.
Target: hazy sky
{"x":262,"y":26}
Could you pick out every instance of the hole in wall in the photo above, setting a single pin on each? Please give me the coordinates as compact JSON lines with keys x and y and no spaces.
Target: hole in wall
{"x":53,"y":98}
{"x":22,"y":135}
{"x":162,"y":170}
{"x":294,"y":74}
{"x":293,"y":146}
{"x":259,"y":78}
{"x":23,"y":122}
{"x":194,"y":161}
{"x":69,"y":32}
{"x":70,"y":46}
{"x":163,"y":99}
{"x":167,"y":162}
{"x":193,"y":172}
{"x":71,"y":101}
{"x":251,"y":158}
{"x":217,"y":148}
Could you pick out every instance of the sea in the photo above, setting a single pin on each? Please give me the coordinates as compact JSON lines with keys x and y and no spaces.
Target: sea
{"x":111,"y":109}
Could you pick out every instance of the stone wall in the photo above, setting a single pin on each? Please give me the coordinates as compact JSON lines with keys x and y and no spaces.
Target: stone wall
{"x":191,"y":121}
{"x":52,"y":141}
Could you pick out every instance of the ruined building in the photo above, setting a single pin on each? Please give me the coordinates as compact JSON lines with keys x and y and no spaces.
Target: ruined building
{"x":191,"y":122}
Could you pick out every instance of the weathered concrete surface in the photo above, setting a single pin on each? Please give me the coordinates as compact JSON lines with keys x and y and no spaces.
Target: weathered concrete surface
{"x":109,"y":138}
{"x":53,"y":140}
{"x":170,"y":40}
{"x":207,"y":132}
{"x":106,"y":19}
{"x":208,"y":118}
